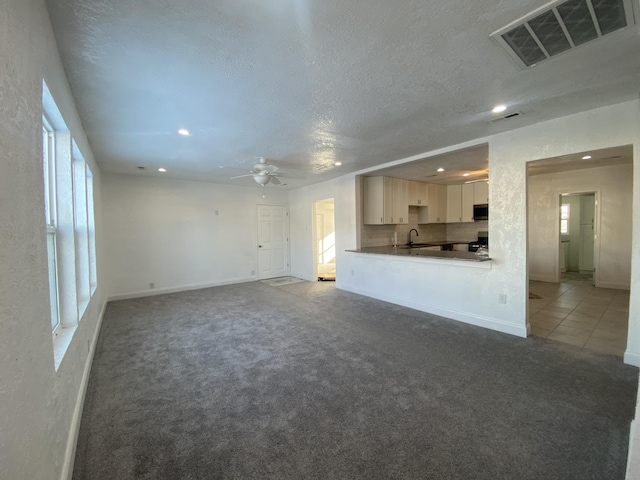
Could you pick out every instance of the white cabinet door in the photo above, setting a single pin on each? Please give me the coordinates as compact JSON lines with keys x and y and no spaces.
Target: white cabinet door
{"x":467,"y":202}
{"x":418,"y":193}
{"x":480,"y":193}
{"x":454,"y":203}
{"x":442,"y":203}
{"x":373,"y":200}
{"x":389,"y":187}
{"x":400,"y":200}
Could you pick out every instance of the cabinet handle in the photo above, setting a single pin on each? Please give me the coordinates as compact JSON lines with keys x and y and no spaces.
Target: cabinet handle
{"x":381,"y":221}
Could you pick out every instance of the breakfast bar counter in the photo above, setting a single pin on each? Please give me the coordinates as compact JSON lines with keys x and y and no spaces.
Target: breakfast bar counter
{"x":411,"y":251}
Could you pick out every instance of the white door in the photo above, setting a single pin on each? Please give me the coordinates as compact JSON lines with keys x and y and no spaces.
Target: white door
{"x":273,"y":241}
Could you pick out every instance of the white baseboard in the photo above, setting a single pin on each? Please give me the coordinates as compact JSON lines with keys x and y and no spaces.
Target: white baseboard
{"x":182,"y":288}
{"x":631,"y":358}
{"x":477,"y":320}
{"x":617,"y":286}
{"x":72,"y":440}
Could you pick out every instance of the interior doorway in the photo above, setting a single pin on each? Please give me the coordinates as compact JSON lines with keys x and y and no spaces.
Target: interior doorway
{"x":324,"y":240}
{"x":578,"y":232}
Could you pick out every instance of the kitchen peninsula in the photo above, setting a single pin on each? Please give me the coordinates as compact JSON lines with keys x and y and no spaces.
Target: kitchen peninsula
{"x":423,"y":251}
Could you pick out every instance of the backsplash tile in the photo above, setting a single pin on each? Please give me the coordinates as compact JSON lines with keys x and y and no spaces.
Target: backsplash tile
{"x":380,"y":235}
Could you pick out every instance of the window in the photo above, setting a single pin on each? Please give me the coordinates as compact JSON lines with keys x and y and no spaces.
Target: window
{"x":70,"y":226}
{"x":48,"y":168}
{"x":564,"y":219}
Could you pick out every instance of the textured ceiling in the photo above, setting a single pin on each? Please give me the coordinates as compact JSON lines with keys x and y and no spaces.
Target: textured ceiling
{"x":309,"y":82}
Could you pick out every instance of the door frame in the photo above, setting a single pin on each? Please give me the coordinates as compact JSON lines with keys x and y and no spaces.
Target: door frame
{"x":314,"y":234}
{"x":596,"y":231}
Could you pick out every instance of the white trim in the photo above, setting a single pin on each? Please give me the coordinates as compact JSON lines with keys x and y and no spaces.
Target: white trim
{"x":617,"y":286}
{"x":72,"y":439}
{"x":542,"y":278}
{"x":181,"y":288}
{"x":477,"y":320}
{"x":631,"y":358}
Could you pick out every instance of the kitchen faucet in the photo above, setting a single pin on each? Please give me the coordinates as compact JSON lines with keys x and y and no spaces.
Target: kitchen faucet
{"x":417,"y":235}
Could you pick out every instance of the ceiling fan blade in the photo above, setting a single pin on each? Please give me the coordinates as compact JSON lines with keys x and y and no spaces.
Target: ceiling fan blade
{"x":240,"y":176}
{"x":275,"y":180}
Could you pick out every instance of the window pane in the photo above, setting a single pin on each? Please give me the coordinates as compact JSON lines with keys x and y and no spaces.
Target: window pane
{"x":81,"y":234}
{"x":53,"y":279}
{"x":93,"y":278}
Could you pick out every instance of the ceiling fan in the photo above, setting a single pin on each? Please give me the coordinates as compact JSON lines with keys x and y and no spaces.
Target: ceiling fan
{"x":264,"y":172}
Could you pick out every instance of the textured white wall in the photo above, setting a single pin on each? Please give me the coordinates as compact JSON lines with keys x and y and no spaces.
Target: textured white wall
{"x":39,"y":406}
{"x":614,"y":184}
{"x":166,"y":232}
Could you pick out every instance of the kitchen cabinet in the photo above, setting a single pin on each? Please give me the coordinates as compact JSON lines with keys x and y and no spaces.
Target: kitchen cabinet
{"x":418,"y":193}
{"x":460,"y":200}
{"x":480,"y":193}
{"x":436,"y":211}
{"x":385,"y":201}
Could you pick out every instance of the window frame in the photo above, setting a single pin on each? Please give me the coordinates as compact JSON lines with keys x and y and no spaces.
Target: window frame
{"x":565,"y":217}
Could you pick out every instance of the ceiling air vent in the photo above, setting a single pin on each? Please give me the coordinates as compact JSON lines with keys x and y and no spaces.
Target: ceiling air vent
{"x":562,"y":25}
{"x":506,"y":117}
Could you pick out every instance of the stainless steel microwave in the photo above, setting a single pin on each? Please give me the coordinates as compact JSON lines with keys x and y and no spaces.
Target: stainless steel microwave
{"x":481,"y":212}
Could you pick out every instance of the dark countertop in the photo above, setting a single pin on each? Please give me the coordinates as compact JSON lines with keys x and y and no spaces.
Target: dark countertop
{"x":407,"y":251}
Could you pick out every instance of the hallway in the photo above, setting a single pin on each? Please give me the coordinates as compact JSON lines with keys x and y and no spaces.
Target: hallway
{"x":574,"y":311}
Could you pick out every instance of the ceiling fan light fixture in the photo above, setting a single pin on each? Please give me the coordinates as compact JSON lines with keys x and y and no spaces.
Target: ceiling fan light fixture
{"x":262,"y":179}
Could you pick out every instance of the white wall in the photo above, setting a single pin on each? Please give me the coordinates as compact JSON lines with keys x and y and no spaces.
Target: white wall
{"x":614,"y":185}
{"x":39,"y":406}
{"x":166,"y":232}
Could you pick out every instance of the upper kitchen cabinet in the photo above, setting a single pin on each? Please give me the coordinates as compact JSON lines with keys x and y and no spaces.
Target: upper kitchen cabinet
{"x":436,"y":212}
{"x":460,"y":201}
{"x":480,"y":193}
{"x":418,"y":193}
{"x":385,"y":200}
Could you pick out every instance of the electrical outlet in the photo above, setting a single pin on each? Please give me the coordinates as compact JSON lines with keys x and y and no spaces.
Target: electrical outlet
{"x":152,"y":285}
{"x":502,"y":299}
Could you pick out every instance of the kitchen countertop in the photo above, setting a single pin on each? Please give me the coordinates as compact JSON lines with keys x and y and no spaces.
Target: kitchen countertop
{"x":420,"y":251}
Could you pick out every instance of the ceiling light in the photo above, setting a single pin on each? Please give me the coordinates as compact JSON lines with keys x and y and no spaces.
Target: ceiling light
{"x":162,"y":169}
{"x":499,"y":108}
{"x":465,"y":174}
{"x":441,"y":169}
{"x":338,"y":163}
{"x":586,"y":157}
{"x":184,"y":131}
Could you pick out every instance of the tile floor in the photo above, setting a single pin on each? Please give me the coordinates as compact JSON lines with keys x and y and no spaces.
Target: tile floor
{"x":574,"y":311}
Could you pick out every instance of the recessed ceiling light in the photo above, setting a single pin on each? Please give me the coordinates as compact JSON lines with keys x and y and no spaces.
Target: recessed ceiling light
{"x":220,"y":166}
{"x":441,"y":169}
{"x":465,"y":174}
{"x":586,"y":157}
{"x":338,"y":163}
{"x":162,"y":169}
{"x":499,"y":108}
{"x":184,"y":131}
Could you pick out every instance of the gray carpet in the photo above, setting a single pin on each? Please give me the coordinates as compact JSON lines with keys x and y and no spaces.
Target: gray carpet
{"x":306,"y":382}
